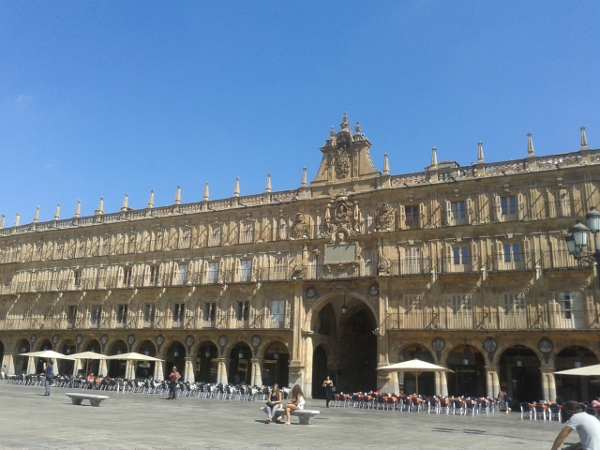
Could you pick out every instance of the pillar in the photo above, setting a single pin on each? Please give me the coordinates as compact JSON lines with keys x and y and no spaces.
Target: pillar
{"x":548,"y":383}
{"x":8,"y":364}
{"x":188,"y":375}
{"x":308,"y":358}
{"x":221,"y":371}
{"x":492,"y":380}
{"x":159,"y":374}
{"x":256,"y":372}
{"x":77,"y":366}
{"x":387,"y":382}
{"x":130,"y":370}
{"x":102,"y":369}
{"x":55,"y":370}
{"x":441,"y":383}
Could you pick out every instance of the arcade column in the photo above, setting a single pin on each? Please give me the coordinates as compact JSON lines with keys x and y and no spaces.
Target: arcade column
{"x":492,"y":380}
{"x":188,"y":374}
{"x":256,"y":372}
{"x":8,"y":363}
{"x":548,"y":383}
{"x":441,"y":383}
{"x":222,"y":371}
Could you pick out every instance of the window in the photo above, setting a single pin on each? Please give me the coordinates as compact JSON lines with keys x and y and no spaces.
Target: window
{"x":412,"y":303}
{"x":209,"y":312}
{"x":214,"y":237}
{"x":278,"y":312}
{"x":279,"y":268}
{"x":182,"y":274}
{"x":121,"y":314}
{"x":412,"y":216}
{"x":458,"y":213}
{"x":323,"y":321}
{"x":148,"y":313}
{"x":154,"y":270}
{"x":461,"y":303}
{"x":213,"y":272}
{"x":49,"y":314}
{"x":514,"y":303}
{"x":2,"y":314}
{"x":72,"y":313}
{"x":95,"y":314}
{"x":186,"y":238}
{"x":243,"y":311}
{"x":77,"y":278}
{"x":126,"y":277}
{"x":245,"y":270}
{"x":508,"y":205}
{"x":412,"y":263}
{"x":247,"y":233}
{"x":460,"y":255}
{"x":512,"y":253}
{"x":178,"y":312}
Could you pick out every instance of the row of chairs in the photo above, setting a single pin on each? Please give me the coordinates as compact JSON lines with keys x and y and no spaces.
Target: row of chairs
{"x":540,"y":411}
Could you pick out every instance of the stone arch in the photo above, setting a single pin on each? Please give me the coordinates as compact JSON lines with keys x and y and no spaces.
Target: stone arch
{"x":265,"y":344}
{"x":276,"y":360}
{"x":325,"y":320}
{"x":327,"y":298}
{"x":520,"y":373}
{"x":92,"y":366}
{"x":43,"y":344}
{"x":175,"y":354}
{"x":407,"y":381}
{"x":117,"y":368}
{"x":474,"y":345}
{"x":320,"y":369}
{"x":66,"y":346}
{"x":207,"y":364}
{"x":572,"y":387}
{"x":145,"y":369}
{"x":240,"y":366}
{"x":468,"y":365}
{"x":22,"y":362}
{"x":505,"y":345}
{"x":575,"y":343}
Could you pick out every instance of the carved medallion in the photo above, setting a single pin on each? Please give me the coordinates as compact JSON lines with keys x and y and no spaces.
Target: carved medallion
{"x":386,"y":218}
{"x":300,"y":227}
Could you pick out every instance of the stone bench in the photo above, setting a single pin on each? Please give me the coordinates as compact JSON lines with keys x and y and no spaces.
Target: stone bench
{"x":94,"y":399}
{"x":303,"y":415}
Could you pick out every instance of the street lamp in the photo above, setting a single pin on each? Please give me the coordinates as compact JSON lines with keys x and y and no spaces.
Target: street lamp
{"x":578,"y":238}
{"x":207,"y":352}
{"x":344,"y":307}
{"x":466,"y":355}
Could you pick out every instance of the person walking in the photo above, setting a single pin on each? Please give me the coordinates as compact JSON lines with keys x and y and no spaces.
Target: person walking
{"x":49,"y":377}
{"x":587,"y":426}
{"x":173,"y":380}
{"x":329,"y":389}
{"x":503,"y":396}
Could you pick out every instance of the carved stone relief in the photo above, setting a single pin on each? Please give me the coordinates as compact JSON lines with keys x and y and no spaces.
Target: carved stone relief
{"x":386,"y":218}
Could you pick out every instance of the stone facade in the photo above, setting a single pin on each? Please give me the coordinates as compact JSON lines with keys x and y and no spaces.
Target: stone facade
{"x":464,"y":266}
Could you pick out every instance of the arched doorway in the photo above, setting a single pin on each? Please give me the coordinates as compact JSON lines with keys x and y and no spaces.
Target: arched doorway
{"x":207,"y":363}
{"x":2,"y":357}
{"x":45,"y":345}
{"x":145,"y":369}
{"x":117,"y":368}
{"x":240,"y":368}
{"x":580,"y":389}
{"x":319,"y":372}
{"x":275,"y":364}
{"x":468,"y":378}
{"x":93,"y":365}
{"x":21,"y":362}
{"x":175,"y":357}
{"x":407,"y":382}
{"x":357,"y":347}
{"x":520,"y":374}
{"x":67,"y":366}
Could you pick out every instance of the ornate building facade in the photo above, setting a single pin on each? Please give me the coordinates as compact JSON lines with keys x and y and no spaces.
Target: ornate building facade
{"x":463,"y":266}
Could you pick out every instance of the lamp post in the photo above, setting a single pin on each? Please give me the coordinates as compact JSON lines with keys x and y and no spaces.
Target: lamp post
{"x":577,"y":239}
{"x":344,"y":307}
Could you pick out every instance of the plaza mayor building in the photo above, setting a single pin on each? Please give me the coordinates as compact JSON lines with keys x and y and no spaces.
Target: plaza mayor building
{"x":464,"y":266}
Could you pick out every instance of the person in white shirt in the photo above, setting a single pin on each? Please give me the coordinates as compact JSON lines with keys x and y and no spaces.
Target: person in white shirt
{"x":297,"y":403}
{"x":587,"y":426}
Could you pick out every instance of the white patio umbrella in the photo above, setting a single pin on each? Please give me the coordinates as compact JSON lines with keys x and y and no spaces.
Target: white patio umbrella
{"x":587,"y":371}
{"x":416,"y":367}
{"x":48,"y":354}
{"x":131,"y":358}
{"x":88,"y":357}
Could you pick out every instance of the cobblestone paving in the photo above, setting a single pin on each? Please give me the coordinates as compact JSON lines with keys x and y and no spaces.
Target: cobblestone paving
{"x":139,"y":421}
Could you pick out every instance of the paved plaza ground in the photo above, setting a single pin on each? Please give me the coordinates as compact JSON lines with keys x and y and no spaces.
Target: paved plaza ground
{"x":140,"y":421}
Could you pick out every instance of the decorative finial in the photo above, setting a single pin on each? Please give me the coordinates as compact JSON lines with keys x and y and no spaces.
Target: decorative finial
{"x":386,"y":164}
{"x":178,"y":196}
{"x":151,"y":200}
{"x":125,"y":205}
{"x":434,"y":157}
{"x":357,"y":128}
{"x":57,"y":212}
{"x":480,"y":152}
{"x":206,"y":192}
{"x":78,"y":209}
{"x":36,"y":216}
{"x":303,"y":182}
{"x":17,"y":220}
{"x":530,"y":149}
{"x":236,"y":189}
{"x":345,"y":123}
{"x":100,"y":209}
{"x":332,"y":131}
{"x":2,"y":220}
{"x":584,"y":144}
{"x":268,"y":187}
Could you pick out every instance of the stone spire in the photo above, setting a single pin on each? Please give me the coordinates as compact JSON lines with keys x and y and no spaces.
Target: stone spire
{"x":268,"y":187}
{"x":236,"y":189}
{"x":17,"y":220}
{"x":434,"y":157}
{"x":151,"y":200}
{"x":357,"y":128}
{"x":530,"y":149}
{"x":78,"y":209}
{"x":386,"y":164}
{"x":178,"y":196}
{"x":100,"y":209}
{"x":332,"y":131}
{"x":584,"y":144}
{"x":206,"y":196}
{"x":303,"y":182}
{"x":57,"y":212}
{"x":345,"y":125}
{"x":2,"y":220}
{"x":36,"y":216}
{"x":480,"y":152}
{"x":125,"y":205}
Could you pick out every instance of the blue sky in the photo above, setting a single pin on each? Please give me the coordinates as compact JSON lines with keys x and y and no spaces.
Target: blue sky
{"x":112,"y":97}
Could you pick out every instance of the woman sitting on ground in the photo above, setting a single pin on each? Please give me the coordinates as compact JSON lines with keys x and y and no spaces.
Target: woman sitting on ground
{"x":297,"y":403}
{"x":274,"y":402}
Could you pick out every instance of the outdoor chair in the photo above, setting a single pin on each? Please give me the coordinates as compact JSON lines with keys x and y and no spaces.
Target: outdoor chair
{"x":539,"y":411}
{"x":526,"y":411}
{"x":458,"y":407}
{"x":433,"y":405}
{"x":470,"y":407}
{"x":443,"y":406}
{"x":554,"y":412}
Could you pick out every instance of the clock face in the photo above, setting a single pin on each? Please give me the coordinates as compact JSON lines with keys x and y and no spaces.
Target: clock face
{"x":256,"y":341}
{"x":79,"y":339}
{"x":545,"y":345}
{"x":374,"y":289}
{"x":311,"y":292}
{"x":490,"y":345}
{"x":160,"y":340}
{"x":33,"y":338}
{"x":131,"y":339}
{"x":104,"y":339}
{"x":189,"y":341}
{"x":223,"y":341}
{"x":438,"y":344}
